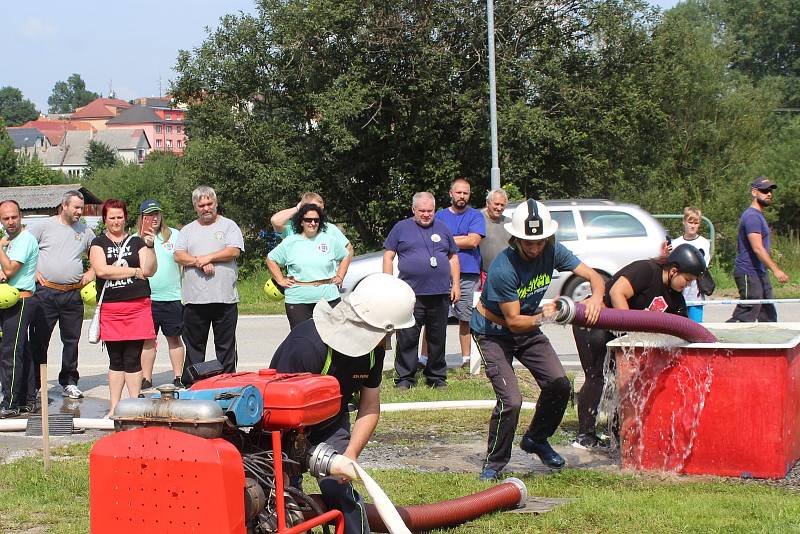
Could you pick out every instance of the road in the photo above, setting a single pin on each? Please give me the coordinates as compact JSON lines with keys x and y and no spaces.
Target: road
{"x":259,"y":336}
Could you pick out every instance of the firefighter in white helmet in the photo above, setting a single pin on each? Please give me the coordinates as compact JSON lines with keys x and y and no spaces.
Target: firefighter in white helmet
{"x":507,"y":326}
{"x":347,"y":342}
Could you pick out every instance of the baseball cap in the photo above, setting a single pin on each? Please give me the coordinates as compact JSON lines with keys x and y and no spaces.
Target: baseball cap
{"x":149,"y":206}
{"x":762,"y":182}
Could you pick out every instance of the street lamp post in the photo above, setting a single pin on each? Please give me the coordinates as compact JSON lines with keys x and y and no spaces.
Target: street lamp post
{"x":495,"y":177}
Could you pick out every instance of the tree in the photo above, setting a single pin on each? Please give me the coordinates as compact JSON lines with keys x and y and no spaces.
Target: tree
{"x":14,"y":109}
{"x":98,"y":156}
{"x":8,"y":159}
{"x":31,"y":171}
{"x":70,"y":95}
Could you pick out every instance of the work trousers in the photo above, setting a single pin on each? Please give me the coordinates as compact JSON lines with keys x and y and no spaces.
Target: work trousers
{"x":17,"y":372}
{"x":197,"y":318}
{"x":431,"y":312}
{"x":66,"y":309}
{"x":592,"y":350}
{"x":534,"y":351}
{"x":340,"y":496}
{"x":750,"y":288}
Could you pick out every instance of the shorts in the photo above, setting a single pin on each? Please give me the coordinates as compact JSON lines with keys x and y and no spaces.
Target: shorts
{"x":168,"y":316}
{"x":469,"y":284}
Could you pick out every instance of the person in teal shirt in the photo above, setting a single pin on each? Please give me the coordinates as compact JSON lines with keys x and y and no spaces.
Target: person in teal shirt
{"x":313,"y":260}
{"x":19,"y":253}
{"x":165,"y":295}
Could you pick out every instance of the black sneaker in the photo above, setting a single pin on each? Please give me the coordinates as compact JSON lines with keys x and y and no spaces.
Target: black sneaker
{"x":31,"y":407}
{"x":588,"y":442}
{"x":177,"y":383}
{"x":439,"y":384}
{"x":146,"y":384}
{"x":5,"y":413}
{"x":544,"y":451}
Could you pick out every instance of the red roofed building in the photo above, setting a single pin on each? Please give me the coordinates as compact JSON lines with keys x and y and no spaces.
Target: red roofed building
{"x":163,"y":124}
{"x":55,"y":129}
{"x":99,"y":111}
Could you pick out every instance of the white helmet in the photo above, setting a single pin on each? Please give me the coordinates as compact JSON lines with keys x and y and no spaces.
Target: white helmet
{"x":384,"y":302}
{"x":531,"y":221}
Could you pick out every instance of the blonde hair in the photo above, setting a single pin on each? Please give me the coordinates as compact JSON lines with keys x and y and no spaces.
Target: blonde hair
{"x":312,"y":198}
{"x":692,"y":213}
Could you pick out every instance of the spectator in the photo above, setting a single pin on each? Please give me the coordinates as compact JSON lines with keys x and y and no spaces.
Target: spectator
{"x":207,"y":248}
{"x":280,"y":222}
{"x":19,"y":253}
{"x":64,"y":241}
{"x":165,"y":296}
{"x":692,"y":219}
{"x":122,"y":264}
{"x":314,"y":263}
{"x":754,"y":258}
{"x":496,"y":239}
{"x":507,"y":326}
{"x":428,"y":262}
{"x":468,"y":228}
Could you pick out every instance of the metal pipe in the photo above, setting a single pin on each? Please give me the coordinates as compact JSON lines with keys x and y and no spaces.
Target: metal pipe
{"x":495,"y":179}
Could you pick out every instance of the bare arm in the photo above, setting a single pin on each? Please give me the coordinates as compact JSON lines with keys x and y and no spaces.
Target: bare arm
{"x":369,"y":410}
{"x":341,"y":272}
{"x":220,"y":256}
{"x":468,"y":242}
{"x":147,"y":261}
{"x":594,"y":303}
{"x":757,"y":243}
{"x":518,"y":323}
{"x":277,"y":274}
{"x":455,"y":277}
{"x":184,"y":259}
{"x":620,"y":292}
{"x":281,"y":219}
{"x":97,"y":259}
{"x":388,"y":260}
{"x":9,"y":266}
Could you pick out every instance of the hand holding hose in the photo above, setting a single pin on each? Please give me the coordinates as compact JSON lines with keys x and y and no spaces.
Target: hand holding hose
{"x":593,"y":306}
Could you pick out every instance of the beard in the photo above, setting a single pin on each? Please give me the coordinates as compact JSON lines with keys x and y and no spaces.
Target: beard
{"x":764,"y":202}
{"x":460,"y":204}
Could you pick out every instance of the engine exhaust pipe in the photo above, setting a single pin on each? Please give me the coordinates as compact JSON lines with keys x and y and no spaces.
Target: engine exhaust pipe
{"x":570,"y":312}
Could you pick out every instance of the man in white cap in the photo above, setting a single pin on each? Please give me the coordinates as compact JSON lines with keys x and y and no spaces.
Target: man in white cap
{"x":507,"y":324}
{"x":347,"y":342}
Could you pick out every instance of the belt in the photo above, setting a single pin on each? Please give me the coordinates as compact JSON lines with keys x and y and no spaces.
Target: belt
{"x":25,"y":294}
{"x":314,"y":283}
{"x":61,"y":287}
{"x":490,"y":316}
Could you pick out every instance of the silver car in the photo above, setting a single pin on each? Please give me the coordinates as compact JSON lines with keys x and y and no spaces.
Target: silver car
{"x":604,"y":235}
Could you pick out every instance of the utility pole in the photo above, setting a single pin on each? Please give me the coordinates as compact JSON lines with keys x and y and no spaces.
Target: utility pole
{"x":495,"y":181}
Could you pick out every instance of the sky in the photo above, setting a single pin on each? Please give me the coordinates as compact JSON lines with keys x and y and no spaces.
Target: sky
{"x":121,"y":45}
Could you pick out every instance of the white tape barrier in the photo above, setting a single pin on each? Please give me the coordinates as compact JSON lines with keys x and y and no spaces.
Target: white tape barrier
{"x":741,"y":301}
{"x":16,"y":425}
{"x":445,"y":405}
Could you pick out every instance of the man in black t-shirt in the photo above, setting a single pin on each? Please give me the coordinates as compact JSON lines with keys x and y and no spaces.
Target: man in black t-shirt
{"x":346,"y":342}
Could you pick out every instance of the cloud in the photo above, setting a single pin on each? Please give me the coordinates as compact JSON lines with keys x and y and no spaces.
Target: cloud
{"x":36,"y":27}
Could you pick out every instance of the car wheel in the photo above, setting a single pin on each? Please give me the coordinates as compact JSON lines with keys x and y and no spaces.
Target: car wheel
{"x":578,"y":288}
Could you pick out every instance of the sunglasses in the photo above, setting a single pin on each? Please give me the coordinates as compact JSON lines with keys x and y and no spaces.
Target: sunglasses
{"x":310,"y":220}
{"x":765,"y":191}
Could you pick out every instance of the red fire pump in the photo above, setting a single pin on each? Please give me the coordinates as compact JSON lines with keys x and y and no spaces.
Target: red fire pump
{"x":182,"y":464}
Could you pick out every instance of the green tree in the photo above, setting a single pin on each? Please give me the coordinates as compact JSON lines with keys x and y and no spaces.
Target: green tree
{"x":69,"y":95}
{"x":14,"y":108}
{"x":98,"y":156}
{"x":31,"y":171}
{"x":8,"y":159}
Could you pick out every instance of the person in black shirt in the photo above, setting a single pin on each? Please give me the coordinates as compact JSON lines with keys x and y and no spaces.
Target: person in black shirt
{"x":346,"y":342}
{"x":654,"y":285}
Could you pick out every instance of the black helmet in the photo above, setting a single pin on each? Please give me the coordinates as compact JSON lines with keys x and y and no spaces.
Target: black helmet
{"x":687,"y":259}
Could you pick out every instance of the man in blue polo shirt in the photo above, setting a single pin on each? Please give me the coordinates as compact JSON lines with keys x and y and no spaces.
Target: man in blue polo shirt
{"x":753,"y":259}
{"x":19,"y":252}
{"x":428,"y":262}
{"x":468,"y":228}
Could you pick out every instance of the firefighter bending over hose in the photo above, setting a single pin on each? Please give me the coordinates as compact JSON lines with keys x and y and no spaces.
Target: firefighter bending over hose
{"x":347,"y":342}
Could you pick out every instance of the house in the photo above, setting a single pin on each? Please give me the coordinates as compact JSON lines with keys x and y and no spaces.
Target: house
{"x":27,"y":139}
{"x":163,"y":124}
{"x":45,"y":200}
{"x":129,"y":144}
{"x":55,"y":129}
{"x":99,"y":111}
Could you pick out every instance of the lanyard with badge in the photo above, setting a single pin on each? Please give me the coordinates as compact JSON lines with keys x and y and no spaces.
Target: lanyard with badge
{"x":435,"y":238}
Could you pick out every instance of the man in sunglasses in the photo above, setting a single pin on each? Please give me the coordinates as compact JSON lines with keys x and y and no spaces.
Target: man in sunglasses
{"x":753,"y":259}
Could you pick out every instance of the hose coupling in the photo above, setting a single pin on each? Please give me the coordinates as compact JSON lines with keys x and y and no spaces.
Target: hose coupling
{"x":565,"y":310}
{"x":320,"y":460}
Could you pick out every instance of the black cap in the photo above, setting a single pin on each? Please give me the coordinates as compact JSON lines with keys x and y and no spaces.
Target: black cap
{"x":762,"y":182}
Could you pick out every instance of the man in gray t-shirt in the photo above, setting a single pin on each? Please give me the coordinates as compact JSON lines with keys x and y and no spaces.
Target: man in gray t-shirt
{"x":207,"y":249}
{"x":496,"y":239}
{"x":63,"y":242}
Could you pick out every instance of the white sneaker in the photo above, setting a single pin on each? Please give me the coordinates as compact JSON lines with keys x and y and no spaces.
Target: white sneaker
{"x":71,"y":391}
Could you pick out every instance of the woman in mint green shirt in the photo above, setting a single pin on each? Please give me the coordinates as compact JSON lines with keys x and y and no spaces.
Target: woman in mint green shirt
{"x":312,"y":259}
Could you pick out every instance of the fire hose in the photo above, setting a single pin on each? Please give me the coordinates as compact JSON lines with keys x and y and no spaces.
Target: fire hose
{"x":570,"y":312}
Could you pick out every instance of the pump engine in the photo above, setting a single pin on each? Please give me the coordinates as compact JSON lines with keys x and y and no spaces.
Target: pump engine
{"x":214,"y":458}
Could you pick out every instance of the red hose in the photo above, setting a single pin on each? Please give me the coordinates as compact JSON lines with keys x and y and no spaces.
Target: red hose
{"x":646,"y":321}
{"x":424,"y":517}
